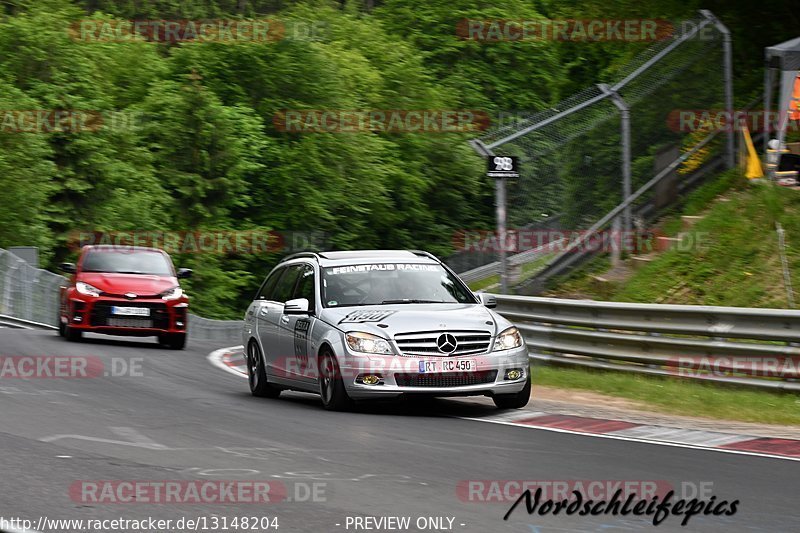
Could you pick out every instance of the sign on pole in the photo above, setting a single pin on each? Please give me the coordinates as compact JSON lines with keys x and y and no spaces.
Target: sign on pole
{"x":501,"y":166}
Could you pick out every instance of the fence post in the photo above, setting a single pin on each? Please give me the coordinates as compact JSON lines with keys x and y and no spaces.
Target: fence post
{"x":5,"y":303}
{"x":501,"y":213}
{"x":768,"y":85}
{"x":727,"y":65}
{"x":625,"y":130}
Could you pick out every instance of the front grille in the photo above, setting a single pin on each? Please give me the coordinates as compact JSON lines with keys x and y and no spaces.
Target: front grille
{"x":101,"y":315}
{"x":130,"y":322}
{"x":459,"y":379}
{"x":424,"y":343}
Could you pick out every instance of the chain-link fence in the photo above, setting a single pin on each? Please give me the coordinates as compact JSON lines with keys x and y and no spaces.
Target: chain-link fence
{"x":32,"y":294}
{"x":587,"y":154}
{"x":26,"y":292}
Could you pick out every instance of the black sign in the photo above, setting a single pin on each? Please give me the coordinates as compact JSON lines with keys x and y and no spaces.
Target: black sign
{"x":502,"y":166}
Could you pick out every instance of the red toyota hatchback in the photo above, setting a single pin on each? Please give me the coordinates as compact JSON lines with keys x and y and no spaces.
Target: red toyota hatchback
{"x":124,"y":290}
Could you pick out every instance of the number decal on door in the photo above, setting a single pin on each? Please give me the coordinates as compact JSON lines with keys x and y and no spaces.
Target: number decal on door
{"x":301,"y":341}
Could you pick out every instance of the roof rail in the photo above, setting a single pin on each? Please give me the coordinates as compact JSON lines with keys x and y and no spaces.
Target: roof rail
{"x":425,"y":254}
{"x":299,"y":255}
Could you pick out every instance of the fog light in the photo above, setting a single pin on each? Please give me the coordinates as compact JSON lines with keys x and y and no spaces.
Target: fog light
{"x":369,"y":379}
{"x":77,"y":319}
{"x":514,"y":373}
{"x":179,"y":324}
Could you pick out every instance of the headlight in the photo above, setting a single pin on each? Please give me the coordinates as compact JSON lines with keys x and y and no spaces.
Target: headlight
{"x":508,"y":339}
{"x":86,"y":289}
{"x":172,"y":294}
{"x":367,"y":343}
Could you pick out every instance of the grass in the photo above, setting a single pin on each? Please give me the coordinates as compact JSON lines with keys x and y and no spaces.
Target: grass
{"x":484,"y":283}
{"x":730,"y":259}
{"x":735,"y":259}
{"x":681,"y":397}
{"x":528,"y":270}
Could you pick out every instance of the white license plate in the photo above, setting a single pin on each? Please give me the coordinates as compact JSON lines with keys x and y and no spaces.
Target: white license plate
{"x":130,"y":311}
{"x":448,"y":365}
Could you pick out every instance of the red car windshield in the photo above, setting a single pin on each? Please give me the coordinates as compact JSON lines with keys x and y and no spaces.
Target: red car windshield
{"x":134,"y":262}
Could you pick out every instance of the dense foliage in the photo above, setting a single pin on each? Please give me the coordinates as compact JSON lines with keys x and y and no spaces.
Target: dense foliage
{"x":196,"y":147}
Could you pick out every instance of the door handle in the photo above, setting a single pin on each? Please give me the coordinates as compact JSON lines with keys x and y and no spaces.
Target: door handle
{"x":262,"y":311}
{"x":285,"y":319}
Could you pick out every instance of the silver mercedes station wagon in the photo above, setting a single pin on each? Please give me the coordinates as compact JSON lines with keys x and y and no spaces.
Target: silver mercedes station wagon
{"x":369,"y":324}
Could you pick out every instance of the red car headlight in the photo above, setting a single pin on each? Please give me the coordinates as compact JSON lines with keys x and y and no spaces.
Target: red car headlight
{"x":86,"y":289}
{"x":172,"y":294}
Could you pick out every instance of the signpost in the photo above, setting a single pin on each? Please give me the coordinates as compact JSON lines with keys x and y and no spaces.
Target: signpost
{"x":502,"y":168}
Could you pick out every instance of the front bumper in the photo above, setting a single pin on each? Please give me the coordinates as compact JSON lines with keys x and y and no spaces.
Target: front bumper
{"x":401,"y":375}
{"x":93,"y":314}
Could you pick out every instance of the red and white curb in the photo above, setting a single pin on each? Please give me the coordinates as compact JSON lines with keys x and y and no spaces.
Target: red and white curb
{"x":232,"y":360}
{"x":778,"y":448}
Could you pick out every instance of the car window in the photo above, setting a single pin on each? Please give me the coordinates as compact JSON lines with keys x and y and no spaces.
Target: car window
{"x":127,"y":262}
{"x":375,"y":284}
{"x":269,"y":284}
{"x":285,"y":287}
{"x":305,"y":287}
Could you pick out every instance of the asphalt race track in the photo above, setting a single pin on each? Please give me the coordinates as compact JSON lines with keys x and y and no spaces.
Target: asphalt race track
{"x":177,"y":417}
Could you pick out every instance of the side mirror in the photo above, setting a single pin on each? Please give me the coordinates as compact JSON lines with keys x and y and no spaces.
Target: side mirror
{"x":184,"y":273}
{"x":298,"y":306}
{"x":488,"y":300}
{"x":68,"y":268}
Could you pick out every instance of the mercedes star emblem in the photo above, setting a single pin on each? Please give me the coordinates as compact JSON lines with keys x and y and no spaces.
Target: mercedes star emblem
{"x":446,"y":343}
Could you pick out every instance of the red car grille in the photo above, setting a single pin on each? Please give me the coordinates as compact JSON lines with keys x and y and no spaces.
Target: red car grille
{"x":101,"y":315}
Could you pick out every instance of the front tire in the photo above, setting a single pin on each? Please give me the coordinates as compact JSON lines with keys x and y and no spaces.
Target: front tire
{"x":173,"y":341}
{"x":516,"y":400}
{"x":72,"y":334}
{"x":257,"y":375}
{"x":331,"y":387}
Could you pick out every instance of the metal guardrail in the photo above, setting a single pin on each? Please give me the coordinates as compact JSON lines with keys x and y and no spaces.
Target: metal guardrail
{"x":207,"y":329}
{"x":29,"y":296}
{"x":737,"y":345}
{"x":522,"y":258}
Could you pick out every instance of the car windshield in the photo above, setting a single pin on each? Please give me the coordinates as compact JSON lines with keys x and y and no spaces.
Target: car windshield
{"x":391,"y":283}
{"x":127,"y":262}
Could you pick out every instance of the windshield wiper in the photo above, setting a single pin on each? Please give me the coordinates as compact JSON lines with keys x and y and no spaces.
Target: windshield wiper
{"x":412,"y":301}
